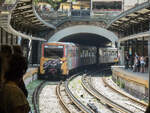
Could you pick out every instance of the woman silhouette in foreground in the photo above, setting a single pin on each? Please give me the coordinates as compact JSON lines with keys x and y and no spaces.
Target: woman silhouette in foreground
{"x":12,"y":97}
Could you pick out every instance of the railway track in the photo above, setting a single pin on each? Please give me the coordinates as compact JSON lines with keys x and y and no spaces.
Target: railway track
{"x":74,"y":99}
{"x":35,"y":99}
{"x":108,"y":101}
{"x":65,"y":100}
{"x":45,"y":99}
{"x":86,"y":102}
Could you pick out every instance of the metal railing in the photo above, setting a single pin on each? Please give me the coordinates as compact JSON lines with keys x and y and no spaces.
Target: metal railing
{"x":8,"y":6}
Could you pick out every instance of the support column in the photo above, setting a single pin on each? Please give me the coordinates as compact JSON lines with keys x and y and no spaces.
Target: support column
{"x":127,"y":46}
{"x":143,"y":46}
{"x":1,"y":36}
{"x":6,"y":37}
{"x":97,"y":55}
{"x":16,"y":40}
{"x":132,"y":46}
{"x":122,"y":51}
{"x":91,"y":8}
{"x":30,"y":49}
{"x":149,"y":65}
{"x":11,"y":39}
{"x":136,"y":46}
{"x":123,"y":6}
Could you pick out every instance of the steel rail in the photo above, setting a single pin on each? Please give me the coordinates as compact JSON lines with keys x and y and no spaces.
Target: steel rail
{"x":74,"y":99}
{"x":60,"y":98}
{"x":35,"y":97}
{"x":104,"y":99}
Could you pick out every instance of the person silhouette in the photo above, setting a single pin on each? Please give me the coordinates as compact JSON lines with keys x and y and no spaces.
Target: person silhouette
{"x":12,"y":97}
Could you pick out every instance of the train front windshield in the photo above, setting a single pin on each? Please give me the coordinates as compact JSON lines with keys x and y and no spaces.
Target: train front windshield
{"x":52,"y":51}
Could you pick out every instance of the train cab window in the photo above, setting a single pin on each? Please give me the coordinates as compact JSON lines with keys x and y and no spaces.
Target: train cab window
{"x":53,"y":51}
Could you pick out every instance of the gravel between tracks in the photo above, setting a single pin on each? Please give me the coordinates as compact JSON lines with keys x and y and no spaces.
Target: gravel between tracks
{"x":48,"y":101}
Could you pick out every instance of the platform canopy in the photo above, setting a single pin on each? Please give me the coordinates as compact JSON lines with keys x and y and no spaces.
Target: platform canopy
{"x":24,"y":15}
{"x":106,"y":0}
{"x":135,"y":15}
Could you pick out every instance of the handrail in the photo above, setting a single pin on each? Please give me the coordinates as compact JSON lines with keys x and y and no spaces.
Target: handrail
{"x":36,"y":14}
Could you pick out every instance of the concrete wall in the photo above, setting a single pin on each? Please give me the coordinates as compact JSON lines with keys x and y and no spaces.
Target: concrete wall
{"x":133,"y":85}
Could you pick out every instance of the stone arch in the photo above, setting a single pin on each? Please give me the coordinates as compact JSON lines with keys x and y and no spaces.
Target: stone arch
{"x":84,"y":29}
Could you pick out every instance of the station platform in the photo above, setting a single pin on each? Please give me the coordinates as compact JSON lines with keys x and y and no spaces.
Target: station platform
{"x":144,"y":76}
{"x":135,"y":83}
{"x":30,"y":75}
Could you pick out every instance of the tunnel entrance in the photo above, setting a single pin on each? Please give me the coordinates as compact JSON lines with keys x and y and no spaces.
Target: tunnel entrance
{"x":87,"y":39}
{"x":85,"y":34}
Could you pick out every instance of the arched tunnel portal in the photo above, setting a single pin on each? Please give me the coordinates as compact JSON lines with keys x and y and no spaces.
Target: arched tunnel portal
{"x":85,"y":35}
{"x":87,"y":39}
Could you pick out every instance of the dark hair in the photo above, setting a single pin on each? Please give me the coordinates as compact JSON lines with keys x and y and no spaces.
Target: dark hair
{"x":3,"y":66}
{"x":1,"y":63}
{"x":17,"y":67}
{"x":6,"y":49}
{"x":17,"y":49}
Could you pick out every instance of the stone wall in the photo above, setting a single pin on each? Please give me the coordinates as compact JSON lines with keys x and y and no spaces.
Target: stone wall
{"x":129,"y":84}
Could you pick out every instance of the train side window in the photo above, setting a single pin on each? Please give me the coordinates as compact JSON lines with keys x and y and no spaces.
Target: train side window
{"x":66,"y":52}
{"x":110,"y":53}
{"x":69,"y":52}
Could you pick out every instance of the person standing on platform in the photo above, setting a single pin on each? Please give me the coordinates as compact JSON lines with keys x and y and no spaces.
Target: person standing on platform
{"x":146,"y":64}
{"x":138,"y":64}
{"x":18,"y":51}
{"x":130,"y":62}
{"x":142,"y":64}
{"x":12,"y":97}
{"x":126,"y":61}
{"x":135,"y":68}
{"x":5,"y":53}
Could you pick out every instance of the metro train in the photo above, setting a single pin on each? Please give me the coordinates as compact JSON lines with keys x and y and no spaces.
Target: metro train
{"x":108,"y":55}
{"x":60,"y":58}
